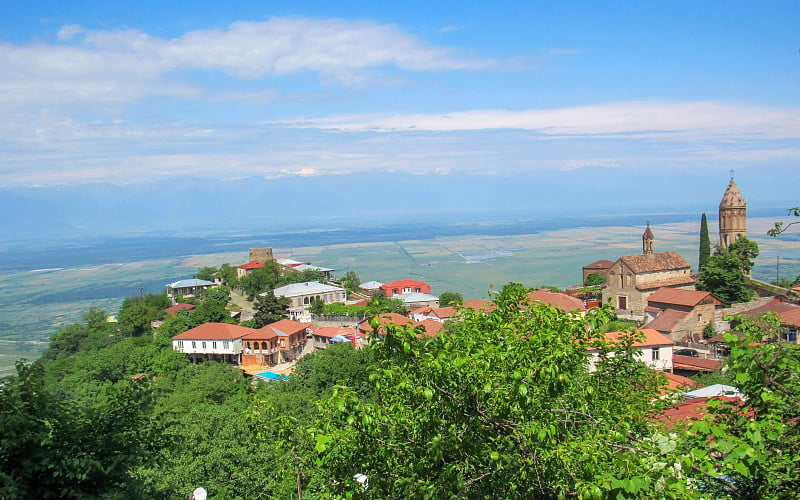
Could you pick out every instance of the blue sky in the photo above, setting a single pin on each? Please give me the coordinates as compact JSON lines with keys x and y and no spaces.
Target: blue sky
{"x":132,"y":92}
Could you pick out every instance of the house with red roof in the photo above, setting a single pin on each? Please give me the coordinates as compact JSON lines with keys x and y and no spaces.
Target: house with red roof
{"x":173,"y":310}
{"x":245,"y":269}
{"x":600,"y":267}
{"x":323,"y":337}
{"x":400,"y":287}
{"x":655,"y":349}
{"x":689,"y":365}
{"x":212,"y":341}
{"x":278,"y":342}
{"x":429,"y":326}
{"x":562,"y":301}
{"x":681,"y":315}
{"x":440,"y":314}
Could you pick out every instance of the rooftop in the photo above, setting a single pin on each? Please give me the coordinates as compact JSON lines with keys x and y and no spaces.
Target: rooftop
{"x":659,"y":261}
{"x":305,"y":288}
{"x":559,"y":300}
{"x":194,"y":282}
{"x":678,"y":297}
{"x":214,"y":331}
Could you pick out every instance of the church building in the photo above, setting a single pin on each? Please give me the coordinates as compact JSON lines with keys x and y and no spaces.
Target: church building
{"x":633,"y":278}
{"x":732,"y":215}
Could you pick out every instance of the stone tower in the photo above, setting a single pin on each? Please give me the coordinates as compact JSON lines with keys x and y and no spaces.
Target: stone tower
{"x":263,"y":254}
{"x":732,"y":215}
{"x":647,"y":241}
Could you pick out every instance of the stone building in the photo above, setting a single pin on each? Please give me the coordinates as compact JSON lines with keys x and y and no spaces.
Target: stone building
{"x":263,"y":254}
{"x":681,"y":315}
{"x":633,"y":278}
{"x":732,"y":215}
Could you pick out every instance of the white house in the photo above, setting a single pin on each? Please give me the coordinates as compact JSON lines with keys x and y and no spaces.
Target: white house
{"x":188,"y":287}
{"x":214,"y":341}
{"x":413,"y":300}
{"x":655,"y":350}
{"x":302,"y":294}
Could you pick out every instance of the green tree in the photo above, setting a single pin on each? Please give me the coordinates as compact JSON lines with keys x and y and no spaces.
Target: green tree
{"x":780,"y":227}
{"x":207,"y":273}
{"x":261,"y":279}
{"x":705,"y":243}
{"x":301,"y":277}
{"x":595,"y":279}
{"x":317,"y":307}
{"x":748,"y":449}
{"x":501,"y":405}
{"x":227,"y":273}
{"x":447,"y":299}
{"x":54,"y":448}
{"x":724,"y":273}
{"x":269,"y":309}
{"x":218,"y":294}
{"x":379,"y":303}
{"x":350,"y":281}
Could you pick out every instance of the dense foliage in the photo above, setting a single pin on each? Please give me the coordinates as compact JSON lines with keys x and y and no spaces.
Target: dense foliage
{"x":725,"y":273}
{"x":499,"y":405}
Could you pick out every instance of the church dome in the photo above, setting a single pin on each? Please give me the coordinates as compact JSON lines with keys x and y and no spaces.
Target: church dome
{"x":733,"y":197}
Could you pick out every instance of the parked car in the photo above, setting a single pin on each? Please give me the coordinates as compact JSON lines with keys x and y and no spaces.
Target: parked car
{"x":687,"y":352}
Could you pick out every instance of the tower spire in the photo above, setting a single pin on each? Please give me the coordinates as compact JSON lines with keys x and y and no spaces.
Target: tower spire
{"x":647,"y":240}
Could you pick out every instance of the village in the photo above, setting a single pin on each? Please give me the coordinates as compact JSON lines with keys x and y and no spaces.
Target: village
{"x":681,"y":329}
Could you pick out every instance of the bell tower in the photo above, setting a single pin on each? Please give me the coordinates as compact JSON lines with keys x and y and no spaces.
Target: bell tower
{"x":732,"y":215}
{"x":647,"y":241}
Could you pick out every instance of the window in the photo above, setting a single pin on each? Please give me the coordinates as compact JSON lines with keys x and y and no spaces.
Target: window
{"x":225,"y":344}
{"x":214,"y":345}
{"x":194,"y":344}
{"x":699,"y":318}
{"x":622,"y":302}
{"x":655,"y":354}
{"x":204,"y":345}
{"x":180,"y":344}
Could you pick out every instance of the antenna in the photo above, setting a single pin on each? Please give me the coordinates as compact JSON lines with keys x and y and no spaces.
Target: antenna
{"x":141,"y":291}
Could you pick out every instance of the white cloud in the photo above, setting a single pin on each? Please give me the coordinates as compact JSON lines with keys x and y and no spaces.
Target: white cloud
{"x":655,"y":120}
{"x":126,"y":64}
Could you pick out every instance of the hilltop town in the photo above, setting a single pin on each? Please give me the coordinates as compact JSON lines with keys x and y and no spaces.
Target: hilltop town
{"x":275,"y":378}
{"x":683,"y":326}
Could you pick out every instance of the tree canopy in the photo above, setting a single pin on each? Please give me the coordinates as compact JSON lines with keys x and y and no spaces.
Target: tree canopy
{"x":725,"y":273}
{"x":705,"y":243}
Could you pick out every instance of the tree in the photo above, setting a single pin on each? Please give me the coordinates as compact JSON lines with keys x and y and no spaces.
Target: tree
{"x":595,"y":279}
{"x":350,"y":281}
{"x":270,"y":309}
{"x":705,"y":243}
{"x":206,"y":273}
{"x":724,"y":273}
{"x":53,"y":447}
{"x":227,"y":273}
{"x":317,"y":307}
{"x":301,"y":277}
{"x":502,"y":405}
{"x":380,"y":303}
{"x":218,"y":294}
{"x":447,"y":299}
{"x":780,"y":227}
{"x":748,"y":449}
{"x":261,"y":279}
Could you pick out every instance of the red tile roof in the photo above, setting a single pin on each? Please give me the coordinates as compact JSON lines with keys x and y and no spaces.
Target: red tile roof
{"x":403,"y":284}
{"x":774,"y":305}
{"x":600,"y":264}
{"x":667,"y":320}
{"x":178,"y":307}
{"x":698,"y":364}
{"x":432,"y":327}
{"x":694,"y":409}
{"x":282,"y":327}
{"x":480,"y":305}
{"x":791,"y":317}
{"x":333,"y":331}
{"x":560,"y":300}
{"x":678,"y":382}
{"x":385,"y":319}
{"x":252,"y":265}
{"x":659,"y":261}
{"x":678,"y":297}
{"x":214,"y":331}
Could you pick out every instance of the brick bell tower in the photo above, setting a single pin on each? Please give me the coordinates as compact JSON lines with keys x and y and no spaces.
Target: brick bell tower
{"x":732,"y":215}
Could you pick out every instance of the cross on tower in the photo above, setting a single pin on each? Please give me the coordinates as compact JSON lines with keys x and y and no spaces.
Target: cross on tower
{"x":732,"y":172}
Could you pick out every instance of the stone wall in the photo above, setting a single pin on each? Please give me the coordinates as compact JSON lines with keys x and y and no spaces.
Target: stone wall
{"x":263,"y":254}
